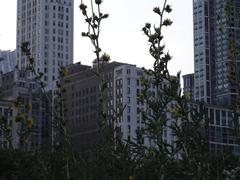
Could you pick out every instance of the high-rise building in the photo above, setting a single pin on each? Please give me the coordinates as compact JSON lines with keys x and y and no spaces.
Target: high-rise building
{"x":121,"y":102}
{"x":216,"y":41}
{"x":216,"y":69}
{"x":128,"y":87}
{"x":47,"y":25}
{"x":81,"y":100}
{"x":7,"y":61}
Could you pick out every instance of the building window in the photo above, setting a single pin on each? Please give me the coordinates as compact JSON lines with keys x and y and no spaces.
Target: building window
{"x":129,"y":100}
{"x":128,"y":81}
{"x":137,"y":82}
{"x":128,"y":90}
{"x":118,"y":72}
{"x":217,"y":117}
{"x":128,"y":119}
{"x":129,"y":129}
{"x":138,"y":110}
{"x":129,"y":109}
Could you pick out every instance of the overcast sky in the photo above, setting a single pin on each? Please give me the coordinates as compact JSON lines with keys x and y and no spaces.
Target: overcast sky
{"x":121,"y":32}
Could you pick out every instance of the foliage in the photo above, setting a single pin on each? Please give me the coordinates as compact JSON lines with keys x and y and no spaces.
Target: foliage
{"x":187,"y":157}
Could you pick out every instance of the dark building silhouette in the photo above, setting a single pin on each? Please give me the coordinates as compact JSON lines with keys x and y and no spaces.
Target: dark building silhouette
{"x":81,"y":100}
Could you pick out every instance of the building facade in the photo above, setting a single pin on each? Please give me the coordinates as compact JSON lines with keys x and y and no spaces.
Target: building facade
{"x":121,"y":102}
{"x":216,"y":70}
{"x":128,"y":88}
{"x":188,"y":85}
{"x":81,"y":100}
{"x":47,"y":26}
{"x":223,"y":132}
{"x":6,"y":112}
{"x":216,"y":41}
{"x":19,"y":85}
{"x":7,"y":61}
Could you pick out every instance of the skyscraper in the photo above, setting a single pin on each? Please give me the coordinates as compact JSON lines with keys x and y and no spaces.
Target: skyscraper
{"x":216,"y":41}
{"x":47,"y":25}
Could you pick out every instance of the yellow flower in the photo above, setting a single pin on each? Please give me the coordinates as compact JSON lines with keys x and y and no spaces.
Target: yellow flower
{"x":65,"y":72}
{"x":30,"y":122}
{"x":16,"y":103}
{"x":141,"y":95}
{"x":202,"y":123}
{"x":176,"y":110}
{"x":29,"y":107}
{"x":187,"y":95}
{"x":18,"y":118}
{"x":130,"y":178}
{"x":152,"y":153}
{"x":142,"y":81}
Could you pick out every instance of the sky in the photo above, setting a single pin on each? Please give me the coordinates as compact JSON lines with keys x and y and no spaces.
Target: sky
{"x":121,"y":36}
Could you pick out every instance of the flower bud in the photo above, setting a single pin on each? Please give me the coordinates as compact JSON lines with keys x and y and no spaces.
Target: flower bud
{"x":157,"y":10}
{"x":98,"y":2}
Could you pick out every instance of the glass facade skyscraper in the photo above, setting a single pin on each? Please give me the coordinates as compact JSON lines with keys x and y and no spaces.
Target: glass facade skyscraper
{"x":216,"y":47}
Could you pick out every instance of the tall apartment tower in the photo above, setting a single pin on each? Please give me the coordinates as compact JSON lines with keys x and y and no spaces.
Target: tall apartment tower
{"x":47,"y":25}
{"x":216,"y":37}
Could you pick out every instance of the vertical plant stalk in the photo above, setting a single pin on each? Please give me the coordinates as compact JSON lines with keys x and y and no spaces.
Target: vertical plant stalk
{"x":93,"y":33}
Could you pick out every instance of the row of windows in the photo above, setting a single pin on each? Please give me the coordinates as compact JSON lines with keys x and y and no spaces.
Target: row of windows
{"x":5,"y":112}
{"x":59,"y":24}
{"x":59,"y":8}
{"x":128,"y":71}
{"x":59,"y":48}
{"x":83,"y":92}
{"x":60,"y":32}
{"x":86,"y":119}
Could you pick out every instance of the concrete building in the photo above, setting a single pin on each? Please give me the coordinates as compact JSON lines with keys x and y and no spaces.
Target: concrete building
{"x":127,"y":88}
{"x":81,"y":100}
{"x":19,"y":84}
{"x":123,"y":87}
{"x":216,"y":38}
{"x":120,"y":97}
{"x":7,"y":61}
{"x":47,"y":26}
